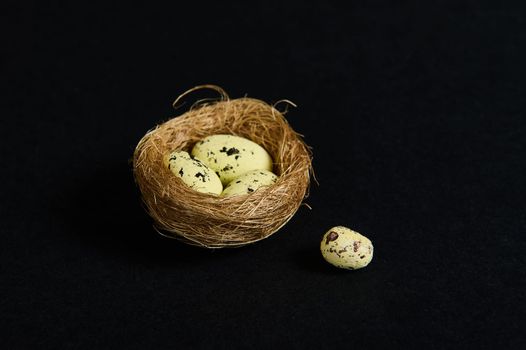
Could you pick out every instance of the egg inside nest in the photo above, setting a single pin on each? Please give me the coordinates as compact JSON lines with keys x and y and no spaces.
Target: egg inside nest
{"x":231,"y":156}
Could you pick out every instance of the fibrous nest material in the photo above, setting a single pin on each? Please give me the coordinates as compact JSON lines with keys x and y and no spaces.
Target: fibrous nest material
{"x":212,"y":221}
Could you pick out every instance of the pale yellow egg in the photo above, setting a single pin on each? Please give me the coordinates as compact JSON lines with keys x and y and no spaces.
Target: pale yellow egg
{"x":346,"y":249}
{"x":193,"y":172}
{"x":231,"y":156}
{"x":249,"y":183}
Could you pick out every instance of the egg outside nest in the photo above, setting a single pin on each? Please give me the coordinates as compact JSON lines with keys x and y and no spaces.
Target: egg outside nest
{"x":207,"y":220}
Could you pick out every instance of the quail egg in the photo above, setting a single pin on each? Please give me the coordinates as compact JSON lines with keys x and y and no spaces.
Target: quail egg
{"x":231,"y":156}
{"x":346,"y":249}
{"x":193,"y":172}
{"x":249,"y":182}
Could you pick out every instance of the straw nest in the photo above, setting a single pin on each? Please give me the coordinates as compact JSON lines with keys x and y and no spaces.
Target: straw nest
{"x":207,"y":220}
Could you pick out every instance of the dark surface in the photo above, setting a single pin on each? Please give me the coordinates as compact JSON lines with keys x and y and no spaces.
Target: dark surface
{"x":416,"y":116}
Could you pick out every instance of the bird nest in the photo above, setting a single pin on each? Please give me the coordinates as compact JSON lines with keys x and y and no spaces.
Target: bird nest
{"x":212,"y":221}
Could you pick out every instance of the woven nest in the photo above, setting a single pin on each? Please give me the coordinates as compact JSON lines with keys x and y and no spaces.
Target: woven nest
{"x":211,"y":221}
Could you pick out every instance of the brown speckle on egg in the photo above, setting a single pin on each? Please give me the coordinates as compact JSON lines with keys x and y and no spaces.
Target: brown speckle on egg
{"x":356,"y":245}
{"x":201,"y":175}
{"x":332,"y":236}
{"x":232,"y":151}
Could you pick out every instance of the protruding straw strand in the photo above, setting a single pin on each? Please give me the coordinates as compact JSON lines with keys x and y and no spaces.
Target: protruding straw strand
{"x":224,"y":95}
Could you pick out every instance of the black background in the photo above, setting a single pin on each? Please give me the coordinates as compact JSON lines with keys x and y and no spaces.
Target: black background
{"x":415,"y":112}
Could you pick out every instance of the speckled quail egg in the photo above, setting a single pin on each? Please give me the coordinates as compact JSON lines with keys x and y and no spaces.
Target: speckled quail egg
{"x":231,"y":156}
{"x":193,"y":172}
{"x":346,"y":249}
{"x":249,"y":182}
